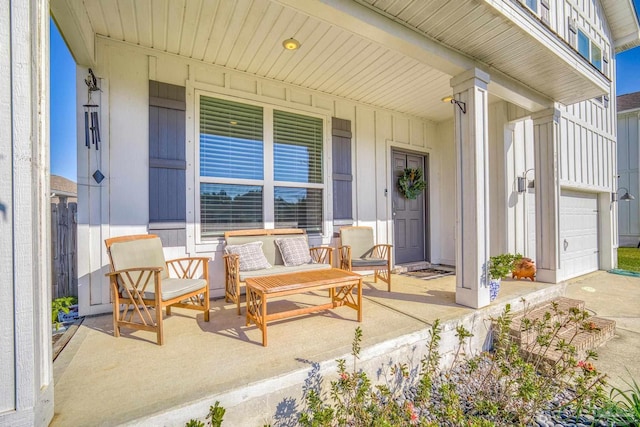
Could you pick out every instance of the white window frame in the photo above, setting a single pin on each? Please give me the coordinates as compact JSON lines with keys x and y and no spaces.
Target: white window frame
{"x":591,"y":46}
{"x":268,"y":183}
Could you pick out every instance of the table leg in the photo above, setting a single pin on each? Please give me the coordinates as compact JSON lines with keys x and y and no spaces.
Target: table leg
{"x":263,"y":307}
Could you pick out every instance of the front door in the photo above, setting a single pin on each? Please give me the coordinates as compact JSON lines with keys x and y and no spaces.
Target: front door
{"x":409,"y":216}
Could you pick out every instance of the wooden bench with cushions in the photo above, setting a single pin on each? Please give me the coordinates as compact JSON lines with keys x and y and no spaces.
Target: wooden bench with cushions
{"x":259,"y":252}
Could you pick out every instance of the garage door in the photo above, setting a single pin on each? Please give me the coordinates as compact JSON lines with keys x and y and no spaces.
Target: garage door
{"x":578,"y":233}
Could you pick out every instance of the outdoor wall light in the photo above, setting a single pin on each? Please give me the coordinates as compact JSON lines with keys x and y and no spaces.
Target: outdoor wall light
{"x":626,"y":197}
{"x":291,"y":44}
{"x":462,"y":105}
{"x":521,"y":184}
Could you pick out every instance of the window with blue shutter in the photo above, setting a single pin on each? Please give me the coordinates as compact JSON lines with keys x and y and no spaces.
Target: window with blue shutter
{"x":235,"y":149}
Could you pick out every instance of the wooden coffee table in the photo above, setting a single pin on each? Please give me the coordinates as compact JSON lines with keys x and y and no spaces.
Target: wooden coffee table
{"x":341,"y":285}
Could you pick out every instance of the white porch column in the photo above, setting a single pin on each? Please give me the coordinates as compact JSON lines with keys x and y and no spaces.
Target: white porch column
{"x":546,"y":131}
{"x":472,"y":188}
{"x":26,"y":371}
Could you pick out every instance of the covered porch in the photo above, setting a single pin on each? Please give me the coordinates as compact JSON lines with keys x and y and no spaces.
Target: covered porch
{"x":132,"y":381}
{"x":381,"y":71}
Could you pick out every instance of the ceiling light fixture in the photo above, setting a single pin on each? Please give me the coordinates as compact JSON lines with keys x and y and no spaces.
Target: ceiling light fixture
{"x":291,"y":44}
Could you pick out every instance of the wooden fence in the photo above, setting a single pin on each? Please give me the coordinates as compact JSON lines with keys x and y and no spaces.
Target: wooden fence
{"x":64,"y":231}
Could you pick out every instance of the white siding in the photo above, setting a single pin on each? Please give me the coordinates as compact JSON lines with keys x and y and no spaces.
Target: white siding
{"x":443,"y":190}
{"x":587,"y":146}
{"x":26,"y":380}
{"x":520,"y":207}
{"x":587,"y":141}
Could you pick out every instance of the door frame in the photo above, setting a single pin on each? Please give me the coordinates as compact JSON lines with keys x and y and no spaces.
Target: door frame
{"x":426,"y":214}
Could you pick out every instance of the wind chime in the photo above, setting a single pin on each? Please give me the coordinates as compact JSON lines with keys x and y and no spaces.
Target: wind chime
{"x":91,"y":124}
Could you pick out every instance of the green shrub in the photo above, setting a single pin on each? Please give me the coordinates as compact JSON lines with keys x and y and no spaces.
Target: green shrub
{"x":623,"y":406}
{"x":215,"y":417}
{"x":503,"y":387}
{"x":502,"y":265}
{"x":58,"y":305}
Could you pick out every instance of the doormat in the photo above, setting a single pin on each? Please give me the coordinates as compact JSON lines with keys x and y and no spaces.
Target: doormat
{"x":429,"y":273}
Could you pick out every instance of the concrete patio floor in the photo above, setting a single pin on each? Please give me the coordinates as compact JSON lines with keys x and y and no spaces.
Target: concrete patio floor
{"x":102,"y":380}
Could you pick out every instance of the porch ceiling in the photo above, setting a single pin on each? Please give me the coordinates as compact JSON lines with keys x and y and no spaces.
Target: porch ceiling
{"x":504,"y":36}
{"x":398,"y":55}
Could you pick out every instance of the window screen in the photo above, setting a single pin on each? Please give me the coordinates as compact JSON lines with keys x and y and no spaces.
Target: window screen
{"x":298,"y":208}
{"x":297,"y":151}
{"x":596,"y":56}
{"x":231,"y":139}
{"x":229,"y":207}
{"x":583,"y":44}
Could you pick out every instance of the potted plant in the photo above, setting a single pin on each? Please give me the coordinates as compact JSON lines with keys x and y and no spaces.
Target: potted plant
{"x":499,"y":267}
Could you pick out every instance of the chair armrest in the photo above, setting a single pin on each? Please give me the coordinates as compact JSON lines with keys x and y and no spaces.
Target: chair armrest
{"x":382,"y":251}
{"x":344,"y":257}
{"x":231,"y":268}
{"x":189,"y":267}
{"x":322,"y":254}
{"x":132,"y":282}
{"x":130,"y":270}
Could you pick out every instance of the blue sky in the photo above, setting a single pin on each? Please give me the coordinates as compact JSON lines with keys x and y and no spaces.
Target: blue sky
{"x":63,"y":90}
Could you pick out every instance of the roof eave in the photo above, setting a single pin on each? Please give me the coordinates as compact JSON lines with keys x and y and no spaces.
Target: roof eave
{"x":628,"y":42}
{"x":625,"y":30}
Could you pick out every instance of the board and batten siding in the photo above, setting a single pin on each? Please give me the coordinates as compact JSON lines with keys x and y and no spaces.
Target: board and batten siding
{"x":628,"y":160}
{"x":26,"y":370}
{"x":587,"y":146}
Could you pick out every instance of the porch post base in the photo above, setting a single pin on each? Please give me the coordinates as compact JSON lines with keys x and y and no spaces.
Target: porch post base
{"x":474,"y":298}
{"x":547,"y":276}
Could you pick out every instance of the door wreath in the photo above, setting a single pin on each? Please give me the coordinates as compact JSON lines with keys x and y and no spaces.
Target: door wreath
{"x":411,"y":183}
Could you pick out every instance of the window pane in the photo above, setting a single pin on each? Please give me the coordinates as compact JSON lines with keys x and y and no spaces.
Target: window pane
{"x":297,"y":150}
{"x":231,"y":142}
{"x":533,"y":5}
{"x":596,"y":56}
{"x":583,"y":44}
{"x":299,"y":208}
{"x":228,"y":207}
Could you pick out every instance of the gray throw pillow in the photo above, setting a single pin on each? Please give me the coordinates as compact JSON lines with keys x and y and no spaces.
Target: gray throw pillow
{"x":294,"y":251}
{"x":251,"y":256}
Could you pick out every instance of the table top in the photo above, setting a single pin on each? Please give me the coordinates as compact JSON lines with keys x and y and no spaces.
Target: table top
{"x":301,"y":280}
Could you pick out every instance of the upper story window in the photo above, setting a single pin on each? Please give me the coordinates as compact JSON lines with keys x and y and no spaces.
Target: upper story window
{"x":588,"y":49}
{"x":533,"y":5}
{"x":258,"y":166}
{"x":540,"y":8}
